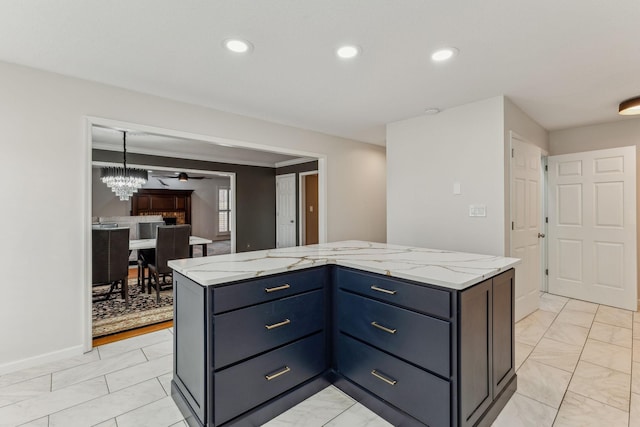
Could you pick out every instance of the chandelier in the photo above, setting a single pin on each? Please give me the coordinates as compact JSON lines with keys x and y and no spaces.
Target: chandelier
{"x":122,"y":180}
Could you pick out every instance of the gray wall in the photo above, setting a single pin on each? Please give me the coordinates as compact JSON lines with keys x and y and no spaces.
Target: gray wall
{"x":255,"y":194}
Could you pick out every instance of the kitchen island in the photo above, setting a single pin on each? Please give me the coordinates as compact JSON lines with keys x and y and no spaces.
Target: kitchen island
{"x":420,"y":336}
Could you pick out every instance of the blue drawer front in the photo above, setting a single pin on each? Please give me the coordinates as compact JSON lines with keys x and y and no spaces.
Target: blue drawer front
{"x":396,"y":291}
{"x":244,"y":386}
{"x":418,"y":393}
{"x":269,"y":288}
{"x":244,"y":333}
{"x":420,"y":339}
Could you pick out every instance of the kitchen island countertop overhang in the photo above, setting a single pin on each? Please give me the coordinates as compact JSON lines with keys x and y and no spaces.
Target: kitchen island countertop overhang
{"x":449,"y":269}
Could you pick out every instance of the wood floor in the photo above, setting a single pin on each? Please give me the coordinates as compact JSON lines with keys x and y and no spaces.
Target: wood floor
{"x":133,"y":273}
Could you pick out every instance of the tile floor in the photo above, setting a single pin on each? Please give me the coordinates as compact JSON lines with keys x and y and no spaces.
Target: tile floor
{"x":578,"y":365}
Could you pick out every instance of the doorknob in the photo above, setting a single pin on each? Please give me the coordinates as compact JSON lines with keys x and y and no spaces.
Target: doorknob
{"x":541,"y":235}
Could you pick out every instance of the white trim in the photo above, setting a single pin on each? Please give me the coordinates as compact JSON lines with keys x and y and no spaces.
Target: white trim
{"x":301,"y":207}
{"x":294,"y":162}
{"x":98,"y":121}
{"x":121,"y":125}
{"x":178,"y":155}
{"x":41,"y":359}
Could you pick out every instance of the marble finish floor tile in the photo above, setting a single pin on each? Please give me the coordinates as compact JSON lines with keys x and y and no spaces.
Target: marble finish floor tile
{"x":580,"y":411}
{"x":530,"y":329}
{"x":543,"y":383}
{"x":165,"y":382}
{"x":139,"y":373}
{"x":98,"y":368}
{"x":614,"y":316}
{"x":636,"y":347}
{"x":358,"y":416}
{"x":611,"y":334}
{"x":160,"y":349}
{"x":108,"y":423}
{"x":567,"y":333}
{"x":635,"y":377}
{"x":317,"y":410}
{"x":109,"y":406}
{"x":576,"y":317}
{"x":556,"y":354}
{"x":41,"y":422}
{"x":552,"y":303}
{"x":607,"y":355}
{"x":24,"y":390}
{"x":134,"y":343}
{"x":48,"y":368}
{"x":49,"y":403}
{"x":577,"y":305}
{"x":634,"y":410}
{"x":522,"y":411}
{"x":161,"y":413}
{"x":180,"y":424}
{"x":602,"y":384}
{"x":522,"y":351}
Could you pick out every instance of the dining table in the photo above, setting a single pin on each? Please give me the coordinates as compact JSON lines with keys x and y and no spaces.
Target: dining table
{"x":136,"y":244}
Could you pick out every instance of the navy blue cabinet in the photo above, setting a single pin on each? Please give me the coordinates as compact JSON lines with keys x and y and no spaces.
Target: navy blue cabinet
{"x":417,"y":354}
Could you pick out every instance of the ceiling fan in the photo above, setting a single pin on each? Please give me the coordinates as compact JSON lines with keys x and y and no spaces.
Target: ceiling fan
{"x":182,"y":177}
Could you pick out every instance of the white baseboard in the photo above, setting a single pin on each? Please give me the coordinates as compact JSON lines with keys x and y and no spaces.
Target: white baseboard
{"x":41,"y":359}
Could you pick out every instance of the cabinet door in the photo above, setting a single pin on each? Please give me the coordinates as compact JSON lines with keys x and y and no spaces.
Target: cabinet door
{"x":503,"y":331}
{"x":475,"y":374}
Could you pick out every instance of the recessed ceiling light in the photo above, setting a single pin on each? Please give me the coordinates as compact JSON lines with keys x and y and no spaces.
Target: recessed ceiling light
{"x":224,"y":145}
{"x":431,"y":111}
{"x":444,"y":54}
{"x":237,"y":45}
{"x":348,"y":51}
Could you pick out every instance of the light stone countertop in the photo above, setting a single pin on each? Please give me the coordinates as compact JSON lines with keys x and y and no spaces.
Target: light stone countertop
{"x":454,"y":270}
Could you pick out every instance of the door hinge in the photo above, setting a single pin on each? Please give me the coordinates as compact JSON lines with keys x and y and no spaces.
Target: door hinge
{"x":512,"y":225}
{"x":546,"y":272}
{"x":546,"y":219}
{"x":512,"y":152}
{"x":546,"y":168}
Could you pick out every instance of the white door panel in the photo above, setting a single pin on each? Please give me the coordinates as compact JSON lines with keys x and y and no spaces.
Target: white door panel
{"x":286,"y":210}
{"x":526,"y":218}
{"x":592,"y":226}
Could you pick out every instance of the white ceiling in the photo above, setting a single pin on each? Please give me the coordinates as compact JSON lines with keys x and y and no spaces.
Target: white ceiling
{"x":565,"y":63}
{"x":168,"y":146}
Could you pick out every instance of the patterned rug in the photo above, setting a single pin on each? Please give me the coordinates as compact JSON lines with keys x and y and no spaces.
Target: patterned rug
{"x":112,"y":316}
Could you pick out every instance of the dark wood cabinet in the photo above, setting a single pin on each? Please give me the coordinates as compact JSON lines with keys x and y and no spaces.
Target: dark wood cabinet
{"x":173,"y":205}
{"x":416,"y":354}
{"x":486,"y":345}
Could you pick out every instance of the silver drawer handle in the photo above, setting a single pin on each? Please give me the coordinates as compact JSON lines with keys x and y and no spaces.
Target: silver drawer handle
{"x":277,"y":374}
{"x":377,"y":325}
{"x":277,"y":325}
{"x":386,"y":291}
{"x":383,"y":378}
{"x":277,"y":288}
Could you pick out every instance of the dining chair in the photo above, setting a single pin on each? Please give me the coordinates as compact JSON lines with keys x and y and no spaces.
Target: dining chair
{"x":110,"y":261}
{"x":146,"y":230}
{"x":172,"y":242}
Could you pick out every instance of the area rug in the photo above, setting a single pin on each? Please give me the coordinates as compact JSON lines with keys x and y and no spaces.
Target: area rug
{"x":112,"y":316}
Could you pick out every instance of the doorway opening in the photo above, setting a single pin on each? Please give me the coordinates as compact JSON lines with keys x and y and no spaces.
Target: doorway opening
{"x":194,"y":148}
{"x":308,"y":199}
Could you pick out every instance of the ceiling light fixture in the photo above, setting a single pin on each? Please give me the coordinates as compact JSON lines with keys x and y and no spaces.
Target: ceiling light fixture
{"x":444,"y":54}
{"x":431,"y":111}
{"x":630,"y":107}
{"x":183,"y":177}
{"x":122,"y":180}
{"x":348,"y":51}
{"x":237,"y":45}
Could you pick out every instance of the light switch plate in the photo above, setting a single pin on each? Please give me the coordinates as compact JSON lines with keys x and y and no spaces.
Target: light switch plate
{"x":456,"y":188}
{"x":477,"y":210}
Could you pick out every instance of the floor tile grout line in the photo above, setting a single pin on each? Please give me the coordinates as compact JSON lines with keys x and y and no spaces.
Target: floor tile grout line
{"x":345,"y":410}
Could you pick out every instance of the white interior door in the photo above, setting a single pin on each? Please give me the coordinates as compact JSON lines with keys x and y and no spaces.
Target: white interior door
{"x":285,"y":210}
{"x":592,"y":226}
{"x":526,"y":224}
